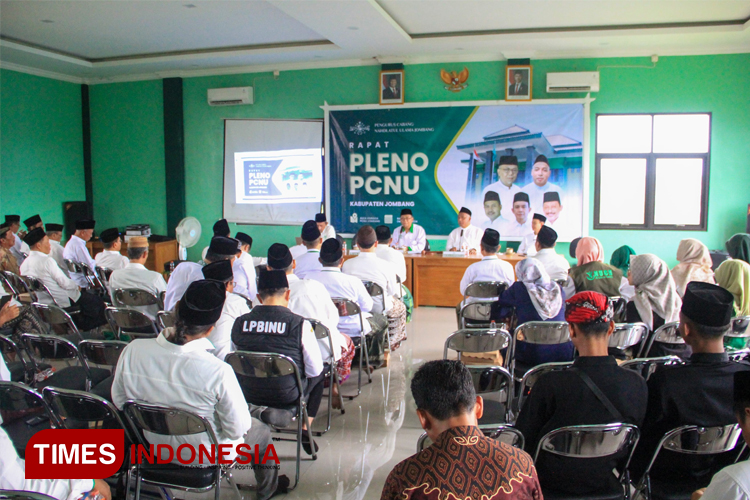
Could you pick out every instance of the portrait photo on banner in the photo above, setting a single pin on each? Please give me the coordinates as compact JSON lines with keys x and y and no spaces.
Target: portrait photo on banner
{"x":503,"y":162}
{"x":392,"y":87}
{"x":518,"y":83}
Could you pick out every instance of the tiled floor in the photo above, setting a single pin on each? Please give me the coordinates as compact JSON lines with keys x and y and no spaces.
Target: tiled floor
{"x":378,"y":430}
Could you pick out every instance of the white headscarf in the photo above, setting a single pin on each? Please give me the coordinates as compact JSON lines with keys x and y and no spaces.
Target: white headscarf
{"x":655,"y":291}
{"x":545,"y":294}
{"x":695,"y":264}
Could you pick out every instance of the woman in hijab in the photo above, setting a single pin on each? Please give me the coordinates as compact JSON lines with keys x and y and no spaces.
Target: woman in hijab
{"x":656,"y":300}
{"x":592,"y":274}
{"x":536,"y":297}
{"x":738,"y":246}
{"x":621,"y":260}
{"x":695,"y":264}
{"x":734,"y":276}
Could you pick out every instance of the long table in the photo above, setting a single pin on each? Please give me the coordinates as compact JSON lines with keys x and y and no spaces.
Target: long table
{"x":434,"y":280}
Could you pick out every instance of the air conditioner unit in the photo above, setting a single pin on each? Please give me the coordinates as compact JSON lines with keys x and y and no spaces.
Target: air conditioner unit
{"x":583,"y":81}
{"x":231,"y":96}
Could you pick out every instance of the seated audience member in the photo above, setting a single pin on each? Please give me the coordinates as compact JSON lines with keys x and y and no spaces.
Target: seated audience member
{"x":310,"y":260}
{"x":694,"y":264}
{"x":733,"y":481}
{"x":33,"y":222}
{"x":64,"y":290}
{"x":8,"y":261}
{"x":385,"y":252}
{"x":294,"y":337}
{"x":573,"y":247}
{"x":408,"y":235}
{"x":448,"y":410}
{"x":555,"y":264}
{"x":19,"y":248}
{"x":565,"y":398}
{"x":536,"y":298}
{"x":592,"y":274}
{"x":234,"y":307}
{"x":738,"y":246}
{"x":220,"y":228}
{"x":696,"y":393}
{"x":176,"y":369}
{"x":466,"y":237}
{"x":221,"y":248}
{"x":110,"y":257}
{"x":243,"y":268}
{"x":326,"y":230}
{"x":621,"y":260}
{"x":76,"y":250}
{"x":490,"y":268}
{"x":656,"y":300}
{"x":345,"y":286}
{"x":310,"y":299}
{"x":734,"y":276}
{"x":368,"y":267}
{"x":13,"y":477}
{"x":135,"y":275}
{"x":54,"y":233}
{"x":528,"y":243}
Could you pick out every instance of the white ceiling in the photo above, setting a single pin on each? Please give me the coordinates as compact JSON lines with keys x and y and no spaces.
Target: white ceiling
{"x":113,"y":40}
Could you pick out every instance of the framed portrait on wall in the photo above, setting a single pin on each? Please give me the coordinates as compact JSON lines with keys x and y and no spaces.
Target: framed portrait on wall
{"x":518,"y":83}
{"x":392,"y":87}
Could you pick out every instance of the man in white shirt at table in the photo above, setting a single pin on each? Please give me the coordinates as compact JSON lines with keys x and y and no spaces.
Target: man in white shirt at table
{"x":408,"y":235}
{"x":135,"y":275}
{"x":490,"y":268}
{"x":555,"y":264}
{"x":540,"y":174}
{"x":326,"y":230}
{"x":76,"y":250}
{"x":310,"y":260}
{"x":527,"y":246}
{"x":385,"y":252}
{"x":520,"y":226}
{"x":507,"y":173}
{"x":466,"y":237}
{"x":110,"y":257}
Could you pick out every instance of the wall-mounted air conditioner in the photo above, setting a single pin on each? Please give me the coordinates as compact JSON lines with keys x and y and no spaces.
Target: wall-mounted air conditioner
{"x":232,"y":96}
{"x":583,"y":81}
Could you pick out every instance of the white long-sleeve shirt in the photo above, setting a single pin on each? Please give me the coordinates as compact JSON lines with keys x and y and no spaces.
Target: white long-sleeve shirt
{"x":297,"y":250}
{"x":732,"y":482}
{"x":308,"y":262}
{"x":184,"y":274}
{"x":76,"y":251}
{"x":13,"y":476}
{"x":187,"y":377}
{"x":555,"y":264}
{"x":244,"y":276}
{"x":111,"y":259}
{"x":470,"y":236}
{"x":415,"y":239}
{"x":394,"y":257}
{"x":221,"y":336}
{"x":516,"y":230}
{"x":56,"y":252}
{"x":43,"y":267}
{"x":368,"y":267}
{"x":328,"y":233}
{"x":310,"y":299}
{"x":20,"y":246}
{"x":490,"y":268}
{"x":536,"y":194}
{"x":528,"y":245}
{"x":344,"y":286}
{"x":136,"y":275}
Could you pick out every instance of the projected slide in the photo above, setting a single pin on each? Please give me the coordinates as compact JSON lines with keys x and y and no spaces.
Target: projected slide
{"x":287,"y":176}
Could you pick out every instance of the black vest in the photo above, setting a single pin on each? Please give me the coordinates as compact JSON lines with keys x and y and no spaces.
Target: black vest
{"x":270,"y":329}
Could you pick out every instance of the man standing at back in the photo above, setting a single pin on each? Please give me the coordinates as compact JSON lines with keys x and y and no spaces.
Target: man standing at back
{"x":310,"y":260}
{"x":595,"y":390}
{"x":76,"y":250}
{"x":462,"y":462}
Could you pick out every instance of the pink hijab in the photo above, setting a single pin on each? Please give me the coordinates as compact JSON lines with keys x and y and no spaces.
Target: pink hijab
{"x":589,"y":250}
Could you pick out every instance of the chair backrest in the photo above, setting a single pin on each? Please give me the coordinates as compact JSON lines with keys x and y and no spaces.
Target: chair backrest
{"x":135,"y":297}
{"x":101,"y":352}
{"x":647,"y":366}
{"x":493,"y":380}
{"x":619,"y":307}
{"x":71,"y":407}
{"x":165,"y":319}
{"x":739,"y":327}
{"x":58,"y":319}
{"x":502,"y":433}
{"x":627,"y":335}
{"x":93,"y":278}
{"x":35,"y":287}
{"x":8,"y":286}
{"x":346,"y":307}
{"x":475,"y":314}
{"x":531,"y":376}
{"x":667,"y":334}
{"x":73,"y":266}
{"x":373,"y":288}
{"x":485,"y":289}
{"x":19,"y":401}
{"x":739,"y":354}
{"x":104,"y":272}
{"x":590,"y":441}
{"x":43,"y":348}
{"x":16,"y":282}
{"x":543,"y":332}
{"x":478,"y":340}
{"x":128,"y":321}
{"x":11,"y":352}
{"x":23,"y":495}
{"x":322,"y":332}
{"x":264,"y":365}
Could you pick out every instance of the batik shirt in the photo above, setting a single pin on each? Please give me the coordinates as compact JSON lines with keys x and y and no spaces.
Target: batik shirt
{"x":463,"y":464}
{"x":8,"y":262}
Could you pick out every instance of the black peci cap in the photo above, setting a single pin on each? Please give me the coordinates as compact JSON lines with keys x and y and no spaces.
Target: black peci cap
{"x":406,"y":211}
{"x":547,"y":236}
{"x":221,"y":228}
{"x":320,"y":218}
{"x":85,"y":224}
{"x":218,"y":271}
{"x":331,"y":250}
{"x":272,"y":280}
{"x":202,"y":303}
{"x":34,"y":219}
{"x":707,"y":304}
{"x":53,"y":228}
{"x":465,"y":210}
{"x":491,"y":196}
{"x":279,"y":256}
{"x":540,"y":217}
{"x":491,"y":238}
{"x":221,"y":245}
{"x":521,"y":196}
{"x":310,"y":231}
{"x":541,"y":159}
{"x":109,"y":235}
{"x":34,"y":236}
{"x":244,"y":238}
{"x":551,"y":196}
{"x":509,"y":160}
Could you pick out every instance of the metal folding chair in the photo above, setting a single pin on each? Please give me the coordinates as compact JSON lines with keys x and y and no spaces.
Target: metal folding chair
{"x":102,"y":354}
{"x":687,"y":440}
{"x":20,"y":369}
{"x":165,"y":319}
{"x":6,"y":281}
{"x":476,"y":314}
{"x":666,"y":334}
{"x":495,"y":385}
{"x":130,"y":322}
{"x":346,"y":308}
{"x":59,"y":321}
{"x":619,"y":307}
{"x":168,"y":421}
{"x":39,"y":292}
{"x":594,"y":442}
{"x":479,"y":340}
{"x":322,"y":333}
{"x":104,"y":273}
{"x":647,"y":366}
{"x":531,"y":376}
{"x":538,"y":332}
{"x":52,"y":348}
{"x":627,"y":335}
{"x":739,"y":330}
{"x":135,"y":297}
{"x":265,"y":365}
{"x":24,"y":413}
{"x":502,"y":433}
{"x":375,"y":290}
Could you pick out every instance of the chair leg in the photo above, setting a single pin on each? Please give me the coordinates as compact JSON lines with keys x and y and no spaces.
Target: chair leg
{"x":231,"y":482}
{"x":367,"y":357}
{"x":330,"y":404}
{"x":137,"y":485}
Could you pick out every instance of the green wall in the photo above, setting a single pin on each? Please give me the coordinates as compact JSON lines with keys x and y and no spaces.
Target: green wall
{"x":127,"y":155}
{"x":41,"y":145}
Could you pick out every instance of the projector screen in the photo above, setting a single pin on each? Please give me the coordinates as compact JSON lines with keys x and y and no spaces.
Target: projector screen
{"x":273,"y":171}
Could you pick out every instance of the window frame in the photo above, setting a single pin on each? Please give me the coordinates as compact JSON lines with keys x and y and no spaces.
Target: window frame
{"x":650,"y":199}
